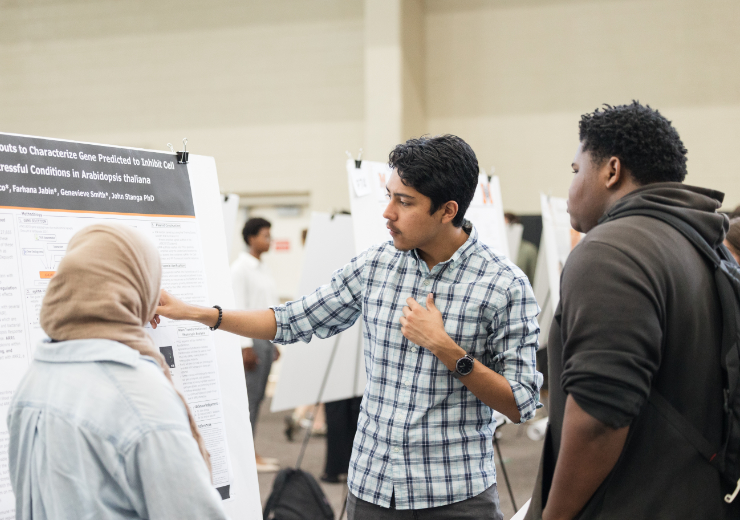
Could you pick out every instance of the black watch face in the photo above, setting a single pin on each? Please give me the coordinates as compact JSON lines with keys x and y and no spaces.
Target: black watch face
{"x":464,"y":366}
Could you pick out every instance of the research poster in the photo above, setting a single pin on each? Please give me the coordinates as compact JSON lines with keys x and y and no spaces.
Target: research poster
{"x":368,"y":200}
{"x":49,"y":190}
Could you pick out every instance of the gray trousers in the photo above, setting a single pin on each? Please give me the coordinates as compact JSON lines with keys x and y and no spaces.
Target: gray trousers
{"x":482,"y":507}
{"x":257,"y":378}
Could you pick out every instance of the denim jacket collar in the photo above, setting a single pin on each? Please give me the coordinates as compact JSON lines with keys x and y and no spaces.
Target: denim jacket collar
{"x":87,"y":350}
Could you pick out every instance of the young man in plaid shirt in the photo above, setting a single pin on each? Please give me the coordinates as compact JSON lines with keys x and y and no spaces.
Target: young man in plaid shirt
{"x":450,"y":335}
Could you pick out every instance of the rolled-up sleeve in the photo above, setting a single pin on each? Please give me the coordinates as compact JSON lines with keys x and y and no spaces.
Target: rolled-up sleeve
{"x":514,"y":342}
{"x":327,"y":311}
{"x":611,"y":327}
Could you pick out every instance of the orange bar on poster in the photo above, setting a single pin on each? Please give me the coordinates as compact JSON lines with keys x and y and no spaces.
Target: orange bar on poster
{"x":45,"y":275}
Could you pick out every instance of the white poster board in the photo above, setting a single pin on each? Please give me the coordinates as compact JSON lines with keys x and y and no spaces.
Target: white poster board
{"x":49,"y":189}
{"x":486,"y":212}
{"x":522,"y":512}
{"x":368,"y":200}
{"x":230,"y":208}
{"x":514,"y":233}
{"x":558,"y":240}
{"x":329,"y":246}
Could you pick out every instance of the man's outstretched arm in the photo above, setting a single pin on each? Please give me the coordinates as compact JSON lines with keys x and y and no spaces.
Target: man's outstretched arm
{"x":588,"y":452}
{"x":329,"y":310}
{"x":251,"y":324}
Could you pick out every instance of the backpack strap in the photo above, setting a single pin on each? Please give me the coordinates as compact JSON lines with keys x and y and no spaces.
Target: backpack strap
{"x":728,"y":293}
{"x":684,"y":427}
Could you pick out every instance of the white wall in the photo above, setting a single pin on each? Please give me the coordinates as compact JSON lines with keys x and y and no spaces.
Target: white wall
{"x":513,"y":77}
{"x":272,"y":89}
{"x":276,"y":90}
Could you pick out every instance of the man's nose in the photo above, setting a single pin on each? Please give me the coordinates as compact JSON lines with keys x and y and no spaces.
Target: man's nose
{"x":388,"y":213}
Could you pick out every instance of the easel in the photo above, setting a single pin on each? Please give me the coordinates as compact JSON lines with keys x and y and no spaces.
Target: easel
{"x":309,"y":430}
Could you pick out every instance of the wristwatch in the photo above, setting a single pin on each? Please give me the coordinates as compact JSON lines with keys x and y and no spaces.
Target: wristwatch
{"x":463,"y":367}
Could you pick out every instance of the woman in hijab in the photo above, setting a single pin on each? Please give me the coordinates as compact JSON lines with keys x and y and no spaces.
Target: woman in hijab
{"x":97,"y":429}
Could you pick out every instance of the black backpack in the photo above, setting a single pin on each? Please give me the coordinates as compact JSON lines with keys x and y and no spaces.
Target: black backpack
{"x":726,"y":458}
{"x":297,"y":496}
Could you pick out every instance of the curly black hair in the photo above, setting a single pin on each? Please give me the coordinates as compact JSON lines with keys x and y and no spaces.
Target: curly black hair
{"x":644,"y":141}
{"x":443,"y":168}
{"x":253,"y":226}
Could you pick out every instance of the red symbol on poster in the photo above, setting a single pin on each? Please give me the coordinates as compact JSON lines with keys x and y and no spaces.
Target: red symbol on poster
{"x":282,"y":245}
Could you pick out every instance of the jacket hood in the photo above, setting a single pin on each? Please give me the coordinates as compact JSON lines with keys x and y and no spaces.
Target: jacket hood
{"x":695,"y":206}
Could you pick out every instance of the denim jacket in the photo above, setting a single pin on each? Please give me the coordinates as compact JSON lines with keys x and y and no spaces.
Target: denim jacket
{"x":98,"y":432}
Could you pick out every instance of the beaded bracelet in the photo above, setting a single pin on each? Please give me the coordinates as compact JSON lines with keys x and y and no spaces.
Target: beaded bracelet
{"x":220,"y":315}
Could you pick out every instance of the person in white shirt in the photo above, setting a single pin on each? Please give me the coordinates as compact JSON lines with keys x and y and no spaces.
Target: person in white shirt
{"x":255,"y":288}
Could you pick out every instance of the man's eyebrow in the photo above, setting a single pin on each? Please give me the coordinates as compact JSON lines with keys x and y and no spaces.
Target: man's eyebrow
{"x":399,"y":194}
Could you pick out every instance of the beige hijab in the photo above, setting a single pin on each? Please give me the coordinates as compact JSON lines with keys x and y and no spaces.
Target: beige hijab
{"x":107,"y":287}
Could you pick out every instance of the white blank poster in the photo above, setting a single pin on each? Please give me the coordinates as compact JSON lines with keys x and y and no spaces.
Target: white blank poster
{"x":329,"y":246}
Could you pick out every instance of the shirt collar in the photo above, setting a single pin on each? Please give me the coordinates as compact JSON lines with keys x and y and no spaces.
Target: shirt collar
{"x":463,"y":251}
{"x":86,"y":350}
{"x":249,"y":259}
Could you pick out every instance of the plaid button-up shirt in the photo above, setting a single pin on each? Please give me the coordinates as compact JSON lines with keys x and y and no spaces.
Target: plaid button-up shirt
{"x":422,"y":435}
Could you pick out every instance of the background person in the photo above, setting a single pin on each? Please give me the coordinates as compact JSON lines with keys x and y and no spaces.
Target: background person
{"x":732,"y":240}
{"x":97,"y":429}
{"x":435,"y":369}
{"x":526,"y":257}
{"x":255,"y":288}
{"x":341,"y":427}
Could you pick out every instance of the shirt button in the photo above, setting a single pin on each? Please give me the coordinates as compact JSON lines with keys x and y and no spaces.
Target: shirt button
{"x":426,"y":282}
{"x":396,"y":449}
{"x":407,"y":383}
{"x":413,"y":349}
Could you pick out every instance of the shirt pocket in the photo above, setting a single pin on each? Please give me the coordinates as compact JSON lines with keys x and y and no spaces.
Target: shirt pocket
{"x":465,"y":315}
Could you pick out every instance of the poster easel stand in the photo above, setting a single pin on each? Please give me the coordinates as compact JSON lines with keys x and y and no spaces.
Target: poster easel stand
{"x":309,"y":430}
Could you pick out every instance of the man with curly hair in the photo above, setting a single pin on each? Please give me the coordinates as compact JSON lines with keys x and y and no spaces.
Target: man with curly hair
{"x":639,"y":316}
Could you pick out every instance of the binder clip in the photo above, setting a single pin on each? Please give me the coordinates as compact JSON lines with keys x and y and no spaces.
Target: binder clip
{"x":182,"y":157}
{"x":339,"y":212}
{"x":358,"y":161}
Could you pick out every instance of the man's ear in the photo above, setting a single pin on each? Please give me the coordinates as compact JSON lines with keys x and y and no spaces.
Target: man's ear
{"x":449,"y":211}
{"x":614,"y":172}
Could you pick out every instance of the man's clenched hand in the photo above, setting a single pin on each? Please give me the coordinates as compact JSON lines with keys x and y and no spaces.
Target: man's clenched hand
{"x":424,"y":327}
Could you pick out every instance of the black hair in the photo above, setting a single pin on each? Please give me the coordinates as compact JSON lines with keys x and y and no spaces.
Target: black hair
{"x":443,"y":168}
{"x":644,"y":141}
{"x":512,"y":218}
{"x":253,"y":227}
